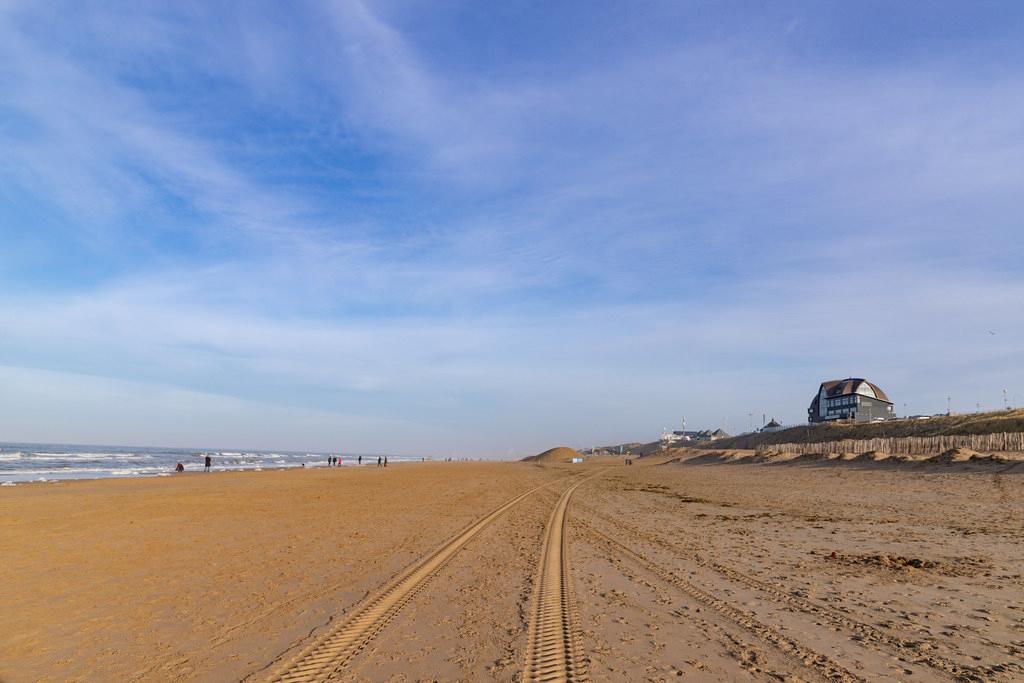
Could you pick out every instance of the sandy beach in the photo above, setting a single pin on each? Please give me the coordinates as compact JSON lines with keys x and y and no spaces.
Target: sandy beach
{"x":675,"y":570}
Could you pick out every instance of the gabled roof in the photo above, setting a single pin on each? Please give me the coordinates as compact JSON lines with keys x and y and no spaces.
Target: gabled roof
{"x":773,"y":423}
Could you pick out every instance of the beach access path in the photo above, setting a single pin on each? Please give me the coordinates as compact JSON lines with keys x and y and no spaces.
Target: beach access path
{"x":509,"y":571}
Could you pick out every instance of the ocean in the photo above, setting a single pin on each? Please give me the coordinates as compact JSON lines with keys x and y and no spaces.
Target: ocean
{"x":34,"y":462}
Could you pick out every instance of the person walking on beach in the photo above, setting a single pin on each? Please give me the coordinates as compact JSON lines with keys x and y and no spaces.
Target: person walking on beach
{"x":360,"y":460}
{"x":385,"y":461}
{"x":206,"y":463}
{"x":378,"y":461}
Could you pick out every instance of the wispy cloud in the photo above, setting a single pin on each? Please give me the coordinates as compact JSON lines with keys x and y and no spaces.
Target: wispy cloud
{"x":315,"y":210}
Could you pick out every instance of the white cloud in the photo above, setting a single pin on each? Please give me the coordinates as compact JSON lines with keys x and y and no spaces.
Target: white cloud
{"x":45,"y":406}
{"x":604,"y":371}
{"x":573,"y":257}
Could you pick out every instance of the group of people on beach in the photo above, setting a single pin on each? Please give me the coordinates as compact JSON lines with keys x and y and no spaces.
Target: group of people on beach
{"x":335,"y":461}
{"x":207,"y":463}
{"x":332,"y":461}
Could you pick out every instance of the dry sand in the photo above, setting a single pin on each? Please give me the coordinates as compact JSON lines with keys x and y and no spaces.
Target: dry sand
{"x":559,"y":454}
{"x":815,"y":571}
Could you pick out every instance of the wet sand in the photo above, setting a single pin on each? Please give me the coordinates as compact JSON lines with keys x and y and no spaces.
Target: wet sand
{"x":700,"y":572}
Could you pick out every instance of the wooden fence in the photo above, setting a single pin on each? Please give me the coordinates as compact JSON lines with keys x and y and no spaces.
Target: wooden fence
{"x":907,"y":445}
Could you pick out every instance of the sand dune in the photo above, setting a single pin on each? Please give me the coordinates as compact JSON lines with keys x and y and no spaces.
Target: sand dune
{"x":953,"y":460}
{"x":553,"y":455}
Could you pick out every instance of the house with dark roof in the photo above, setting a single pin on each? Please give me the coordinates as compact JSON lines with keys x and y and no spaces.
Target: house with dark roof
{"x":702,"y":435}
{"x":772,"y":426}
{"x":853,"y":398}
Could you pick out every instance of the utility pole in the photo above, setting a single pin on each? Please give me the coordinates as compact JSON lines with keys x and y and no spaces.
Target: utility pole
{"x":750,"y":423}
{"x":949,"y":410}
{"x":1006,"y":401}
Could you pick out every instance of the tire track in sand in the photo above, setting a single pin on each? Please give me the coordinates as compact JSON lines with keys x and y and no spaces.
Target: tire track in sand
{"x":828,"y":668}
{"x":553,"y":650}
{"x":331,"y":652}
{"x":862,"y":632}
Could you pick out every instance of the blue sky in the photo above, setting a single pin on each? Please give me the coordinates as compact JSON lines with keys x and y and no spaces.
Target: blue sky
{"x":476,"y":229}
